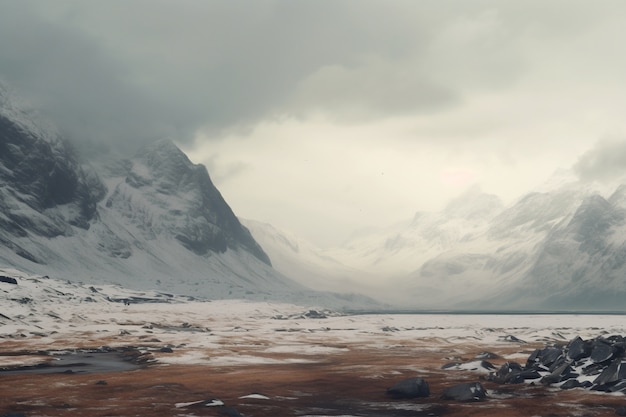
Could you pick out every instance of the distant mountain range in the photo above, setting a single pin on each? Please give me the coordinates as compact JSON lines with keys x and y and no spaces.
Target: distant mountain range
{"x":560,"y":248}
{"x":149,"y":221}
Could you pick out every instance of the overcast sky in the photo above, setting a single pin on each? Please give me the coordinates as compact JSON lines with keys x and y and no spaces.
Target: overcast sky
{"x":326,"y":117}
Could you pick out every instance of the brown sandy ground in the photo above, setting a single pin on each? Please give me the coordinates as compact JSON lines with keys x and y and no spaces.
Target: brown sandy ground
{"x":346,"y":382}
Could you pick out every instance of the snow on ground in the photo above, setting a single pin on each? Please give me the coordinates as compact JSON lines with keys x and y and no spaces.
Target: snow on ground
{"x":44,"y":313}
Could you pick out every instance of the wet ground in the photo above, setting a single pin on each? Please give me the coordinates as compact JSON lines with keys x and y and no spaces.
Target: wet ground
{"x":81,"y":361}
{"x":346,"y":383}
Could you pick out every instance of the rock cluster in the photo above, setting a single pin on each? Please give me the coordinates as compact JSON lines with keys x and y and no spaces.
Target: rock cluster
{"x":418,"y":388}
{"x":598,"y":364}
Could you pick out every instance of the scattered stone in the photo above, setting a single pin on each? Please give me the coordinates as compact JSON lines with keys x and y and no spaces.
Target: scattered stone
{"x":577,"y":349}
{"x":314,"y":314}
{"x":390,"y":329}
{"x":410,"y":388}
{"x":486,"y":355}
{"x":513,"y":373}
{"x":166,"y":349}
{"x":601,"y":351}
{"x":8,"y":280}
{"x":471,"y":391}
{"x":477,"y":365}
{"x":620,"y":411}
{"x":571,"y":383}
{"x":511,"y":338}
{"x":451,"y":365}
{"x":101,"y":382}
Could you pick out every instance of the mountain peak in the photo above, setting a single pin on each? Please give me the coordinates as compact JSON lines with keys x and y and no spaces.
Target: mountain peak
{"x":177,"y":198}
{"x":474,"y":204}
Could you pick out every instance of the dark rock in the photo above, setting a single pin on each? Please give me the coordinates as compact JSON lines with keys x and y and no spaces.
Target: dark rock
{"x":610,"y":374}
{"x":8,"y":280}
{"x":511,"y":338}
{"x":549,"y":355}
{"x":450,"y":365}
{"x":571,"y":383}
{"x":410,"y":388}
{"x":621,"y":373}
{"x":593,"y":369}
{"x":166,"y":349}
{"x":471,"y":391}
{"x":618,"y":387}
{"x":601,"y":351}
{"x":509,"y":373}
{"x":577,"y":349}
{"x":620,"y":411}
{"x":390,"y":329}
{"x":314,"y":314}
{"x":530,"y":374}
{"x":486,"y":355}
{"x":101,"y":382}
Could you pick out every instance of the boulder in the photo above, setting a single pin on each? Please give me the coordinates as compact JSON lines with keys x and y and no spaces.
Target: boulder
{"x":410,"y":388}
{"x":610,"y":374}
{"x":571,"y":383}
{"x":545,"y":357}
{"x":486,"y":355}
{"x":471,"y":391}
{"x":601,"y":351}
{"x":8,"y":280}
{"x":577,"y":349}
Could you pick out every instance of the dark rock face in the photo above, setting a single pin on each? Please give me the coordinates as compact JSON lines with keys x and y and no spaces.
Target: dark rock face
{"x":471,"y":391}
{"x":40,"y":175}
{"x":410,"y":388}
{"x":46,"y":192}
{"x":180,"y":201}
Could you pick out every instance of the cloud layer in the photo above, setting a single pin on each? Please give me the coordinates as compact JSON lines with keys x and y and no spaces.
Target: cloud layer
{"x":120,"y":70}
{"x":449,"y":93}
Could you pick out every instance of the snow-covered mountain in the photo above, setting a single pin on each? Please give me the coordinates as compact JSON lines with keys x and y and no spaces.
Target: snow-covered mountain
{"x":561,"y":247}
{"x":152,"y":220}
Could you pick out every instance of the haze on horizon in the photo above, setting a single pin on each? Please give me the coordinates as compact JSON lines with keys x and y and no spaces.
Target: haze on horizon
{"x":325,"y":118}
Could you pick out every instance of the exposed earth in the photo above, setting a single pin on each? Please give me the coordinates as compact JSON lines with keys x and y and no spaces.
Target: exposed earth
{"x":316,"y":370}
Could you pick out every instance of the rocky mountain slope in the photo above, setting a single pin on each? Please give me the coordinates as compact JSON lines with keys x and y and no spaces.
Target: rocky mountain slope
{"x":152,"y":220}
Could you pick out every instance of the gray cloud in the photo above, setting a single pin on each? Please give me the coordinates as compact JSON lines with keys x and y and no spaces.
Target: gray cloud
{"x":606,"y":161}
{"x":125,"y":71}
